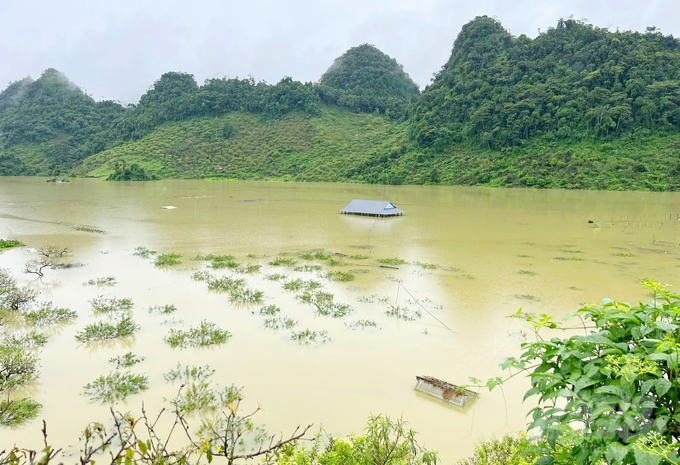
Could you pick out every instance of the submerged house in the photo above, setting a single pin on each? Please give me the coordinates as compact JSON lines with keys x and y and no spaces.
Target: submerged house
{"x":371,"y":208}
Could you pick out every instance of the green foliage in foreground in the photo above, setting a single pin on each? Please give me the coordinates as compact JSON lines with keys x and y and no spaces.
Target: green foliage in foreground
{"x":9,"y":243}
{"x":116,"y":386}
{"x":610,"y":393}
{"x":384,"y":442}
{"x":206,"y":334}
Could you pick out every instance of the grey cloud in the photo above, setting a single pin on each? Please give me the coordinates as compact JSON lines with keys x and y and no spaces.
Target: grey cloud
{"x":115,"y":50}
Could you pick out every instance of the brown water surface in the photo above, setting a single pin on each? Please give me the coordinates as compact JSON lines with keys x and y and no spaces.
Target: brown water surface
{"x":496,"y":250}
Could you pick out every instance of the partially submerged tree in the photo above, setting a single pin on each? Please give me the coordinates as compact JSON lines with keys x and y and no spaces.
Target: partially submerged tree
{"x":48,"y":257}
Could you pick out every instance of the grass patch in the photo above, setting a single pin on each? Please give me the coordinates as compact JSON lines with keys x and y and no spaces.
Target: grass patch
{"x":108,"y":330}
{"x":163,"y":309}
{"x":167,"y":259}
{"x":282,"y":261}
{"x":115,"y":387}
{"x":10,"y":243}
{"x":306,"y":256}
{"x":569,"y":259}
{"x":359,"y":257}
{"x":126,"y":361}
{"x":336,"y":262}
{"x":101,"y":282}
{"x":206,"y":334}
{"x":143,"y":252}
{"x":343,"y":276}
{"x":111,"y":306}
{"x":392,"y":261}
{"x":624,"y":254}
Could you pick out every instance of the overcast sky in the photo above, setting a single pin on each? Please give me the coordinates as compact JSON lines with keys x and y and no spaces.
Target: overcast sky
{"x":117,"y":49}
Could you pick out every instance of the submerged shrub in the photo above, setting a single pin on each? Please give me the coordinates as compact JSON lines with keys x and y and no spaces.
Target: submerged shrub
{"x":9,"y":243}
{"x":392,"y":261}
{"x":202,"y":276}
{"x":248,"y":269}
{"x":48,"y":315}
{"x":305,"y":268}
{"x":624,"y":254}
{"x":275,"y":277}
{"x":308,"y":336}
{"x":426,"y":266}
{"x":163,"y":309}
{"x":189,"y":373}
{"x":167,"y":259}
{"x":17,"y":298}
{"x":323,"y":301}
{"x":126,"y":361}
{"x":28,"y":340}
{"x":343,"y":276}
{"x":17,"y":411}
{"x":401,"y":313}
{"x":270,"y":310}
{"x":106,"y":330}
{"x":363,"y":324}
{"x":101,"y":282}
{"x":225,"y":284}
{"x":143,"y":252}
{"x":359,"y":257}
{"x":243,"y":295}
{"x":116,"y":386}
{"x":111,"y":306}
{"x":278,"y":323}
{"x":206,"y":334}
{"x":282,"y":261}
{"x":323,"y":255}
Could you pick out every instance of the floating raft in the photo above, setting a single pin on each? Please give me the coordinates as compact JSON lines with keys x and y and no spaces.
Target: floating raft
{"x":445,"y":391}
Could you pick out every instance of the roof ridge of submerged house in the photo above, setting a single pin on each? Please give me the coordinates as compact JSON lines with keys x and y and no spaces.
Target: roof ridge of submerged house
{"x":379,"y":208}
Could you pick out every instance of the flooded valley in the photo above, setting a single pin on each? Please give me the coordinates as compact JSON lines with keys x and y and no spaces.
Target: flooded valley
{"x":472,"y":257}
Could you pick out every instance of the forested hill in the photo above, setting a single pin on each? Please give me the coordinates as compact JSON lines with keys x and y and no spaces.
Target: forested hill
{"x":574,"y":81}
{"x":576,"y":107}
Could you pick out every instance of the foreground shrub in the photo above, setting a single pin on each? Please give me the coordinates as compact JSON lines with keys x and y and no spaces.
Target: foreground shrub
{"x":385,"y":442}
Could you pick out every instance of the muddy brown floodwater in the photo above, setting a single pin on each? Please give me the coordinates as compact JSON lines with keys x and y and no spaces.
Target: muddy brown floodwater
{"x":496,"y":251}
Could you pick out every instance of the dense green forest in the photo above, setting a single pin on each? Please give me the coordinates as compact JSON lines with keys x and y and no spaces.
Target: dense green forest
{"x":576,"y":107}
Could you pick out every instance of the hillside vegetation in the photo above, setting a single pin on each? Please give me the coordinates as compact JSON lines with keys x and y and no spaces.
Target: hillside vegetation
{"x":576,"y":107}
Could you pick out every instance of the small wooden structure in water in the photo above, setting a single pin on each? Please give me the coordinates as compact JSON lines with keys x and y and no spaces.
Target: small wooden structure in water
{"x":445,"y":391}
{"x":380,"y":208}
